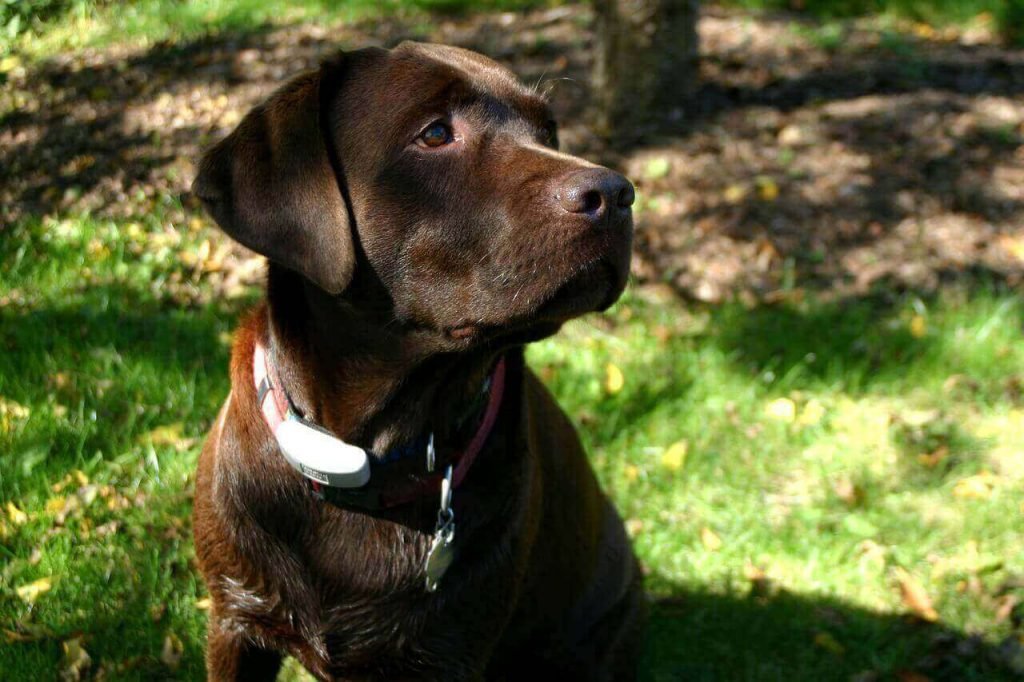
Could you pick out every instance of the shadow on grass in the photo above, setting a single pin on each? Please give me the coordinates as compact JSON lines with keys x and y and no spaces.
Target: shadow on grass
{"x":115,"y":364}
{"x":705,"y":637}
{"x":853,"y":342}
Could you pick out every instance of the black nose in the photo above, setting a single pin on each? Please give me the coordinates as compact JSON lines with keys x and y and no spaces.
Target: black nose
{"x":598,"y":193}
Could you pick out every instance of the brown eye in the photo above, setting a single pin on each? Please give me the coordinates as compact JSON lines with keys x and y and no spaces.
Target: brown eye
{"x":436,"y":134}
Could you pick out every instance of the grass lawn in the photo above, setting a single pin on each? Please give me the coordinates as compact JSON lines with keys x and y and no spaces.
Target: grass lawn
{"x":798,"y":478}
{"x":819,"y":489}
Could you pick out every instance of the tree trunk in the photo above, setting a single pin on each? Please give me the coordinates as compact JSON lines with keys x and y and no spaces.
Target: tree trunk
{"x":646,"y":63}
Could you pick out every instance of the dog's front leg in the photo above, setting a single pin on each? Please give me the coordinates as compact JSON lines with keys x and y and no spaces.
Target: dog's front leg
{"x":230,"y":656}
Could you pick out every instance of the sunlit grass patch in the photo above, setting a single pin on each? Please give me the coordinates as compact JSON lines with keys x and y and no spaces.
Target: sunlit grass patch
{"x":832,"y":449}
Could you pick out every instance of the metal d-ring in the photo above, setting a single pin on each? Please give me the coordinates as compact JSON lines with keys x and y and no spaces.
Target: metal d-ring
{"x":446,"y":496}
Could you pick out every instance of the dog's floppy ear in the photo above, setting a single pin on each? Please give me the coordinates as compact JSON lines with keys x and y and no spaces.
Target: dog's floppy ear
{"x":271,"y":185}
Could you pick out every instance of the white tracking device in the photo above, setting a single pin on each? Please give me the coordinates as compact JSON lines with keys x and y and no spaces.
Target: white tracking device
{"x":321,"y":456}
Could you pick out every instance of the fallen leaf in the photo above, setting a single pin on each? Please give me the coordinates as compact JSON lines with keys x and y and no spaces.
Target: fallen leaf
{"x":767,"y":188}
{"x":203,"y":604}
{"x":918,"y":326}
{"x":614,"y":380}
{"x":977,"y":487}
{"x":9,"y":63}
{"x":172,"y":651}
{"x":782,"y":409}
{"x":634,"y":526}
{"x":16,"y":516}
{"x":933,"y":459}
{"x":812,"y":413}
{"x":11,"y":413}
{"x":55,"y":504}
{"x":34,"y":589}
{"x":1013,"y":245}
{"x":915,"y":597}
{"x":27,"y":632}
{"x":168,"y":434}
{"x":76,"y":660}
{"x":829,"y":643}
{"x":674,"y":457}
{"x":734,"y":194}
{"x":869,"y":550}
{"x":848,"y":491}
{"x":710,"y":540}
{"x":1005,"y":607}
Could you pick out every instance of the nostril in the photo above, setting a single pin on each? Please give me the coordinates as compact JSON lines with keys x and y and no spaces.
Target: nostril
{"x":626,"y":196}
{"x":592,"y":202}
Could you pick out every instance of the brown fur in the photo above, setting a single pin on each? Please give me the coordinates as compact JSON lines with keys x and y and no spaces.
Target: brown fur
{"x":397,"y":276}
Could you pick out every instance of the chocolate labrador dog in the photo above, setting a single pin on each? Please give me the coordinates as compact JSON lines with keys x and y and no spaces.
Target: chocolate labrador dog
{"x":388,"y":491}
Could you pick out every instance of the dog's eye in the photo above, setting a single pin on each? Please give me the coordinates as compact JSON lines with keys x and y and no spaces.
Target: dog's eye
{"x":436,"y":134}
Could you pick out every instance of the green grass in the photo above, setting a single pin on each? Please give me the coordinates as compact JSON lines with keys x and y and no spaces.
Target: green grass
{"x":1007,"y":15}
{"x":804,"y":425}
{"x":66,"y":25}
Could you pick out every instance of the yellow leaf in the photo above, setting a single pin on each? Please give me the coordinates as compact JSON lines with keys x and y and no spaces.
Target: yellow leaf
{"x":203,"y":604}
{"x":978,"y":487}
{"x":33,"y":590}
{"x":613,"y":379}
{"x":55,"y":504}
{"x":169,"y":434}
{"x":675,"y":456}
{"x":925,"y":31}
{"x":918,"y":326}
{"x":9,"y":63}
{"x":767,"y":188}
{"x":915,"y":597}
{"x":11,"y":412}
{"x":711,"y":542}
{"x":782,"y":409}
{"x":16,"y":516}
{"x":195,"y":224}
{"x":1013,"y":245}
{"x":829,"y":643}
{"x":734,"y":193}
{"x":631,"y":472}
{"x":812,"y":413}
{"x":80,"y":478}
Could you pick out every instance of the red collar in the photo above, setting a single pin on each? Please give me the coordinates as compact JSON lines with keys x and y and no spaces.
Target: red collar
{"x":426,"y":482}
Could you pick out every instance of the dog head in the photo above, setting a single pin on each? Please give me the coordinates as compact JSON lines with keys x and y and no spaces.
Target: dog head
{"x":431,"y":176}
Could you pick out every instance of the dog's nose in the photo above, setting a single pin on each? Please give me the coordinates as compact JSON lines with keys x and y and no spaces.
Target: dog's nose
{"x":598,"y":193}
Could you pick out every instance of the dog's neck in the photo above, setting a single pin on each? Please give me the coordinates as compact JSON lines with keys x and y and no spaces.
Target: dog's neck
{"x":355,"y":371}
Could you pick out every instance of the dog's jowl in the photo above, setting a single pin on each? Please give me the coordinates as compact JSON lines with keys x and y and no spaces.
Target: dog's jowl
{"x":388,"y":491}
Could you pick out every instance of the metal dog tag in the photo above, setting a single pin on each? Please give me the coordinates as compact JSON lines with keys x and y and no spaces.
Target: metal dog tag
{"x":440,"y":556}
{"x":442,"y":548}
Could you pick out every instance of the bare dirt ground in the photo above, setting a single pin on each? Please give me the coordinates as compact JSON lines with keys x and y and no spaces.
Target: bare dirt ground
{"x":805,"y":159}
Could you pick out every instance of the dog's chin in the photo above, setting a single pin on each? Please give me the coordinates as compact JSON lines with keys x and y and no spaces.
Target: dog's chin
{"x":593,"y":288}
